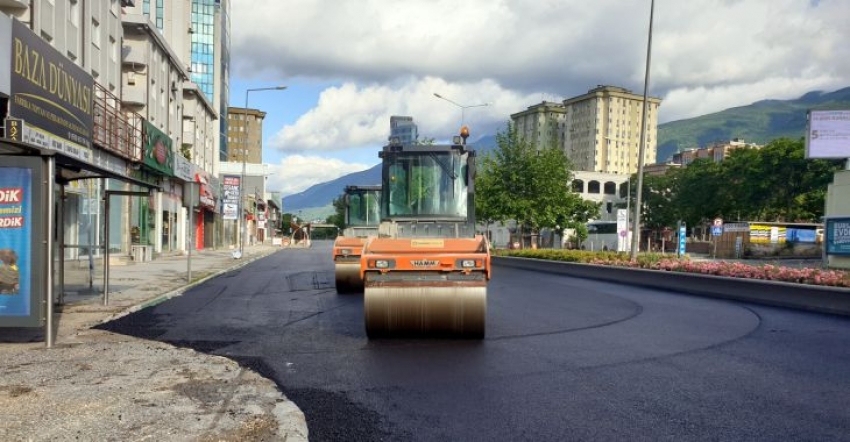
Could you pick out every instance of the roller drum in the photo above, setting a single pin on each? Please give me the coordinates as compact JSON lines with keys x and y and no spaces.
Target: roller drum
{"x":457,"y":311}
{"x":348,"y":278}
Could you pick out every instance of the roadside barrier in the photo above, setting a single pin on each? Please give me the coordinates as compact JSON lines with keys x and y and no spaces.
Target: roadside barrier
{"x":822,"y":299}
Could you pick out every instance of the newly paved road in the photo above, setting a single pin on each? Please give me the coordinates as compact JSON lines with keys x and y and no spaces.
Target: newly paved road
{"x":564,"y":359}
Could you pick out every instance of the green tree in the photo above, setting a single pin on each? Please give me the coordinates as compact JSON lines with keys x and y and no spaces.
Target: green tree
{"x":338,"y":218}
{"x":792,"y":187}
{"x":529,"y":184}
{"x":774,"y":183}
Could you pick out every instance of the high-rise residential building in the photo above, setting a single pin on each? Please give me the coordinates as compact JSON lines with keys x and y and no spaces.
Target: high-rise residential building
{"x":603,"y":130}
{"x":404,"y":128}
{"x":245,"y":135}
{"x":541,"y":124}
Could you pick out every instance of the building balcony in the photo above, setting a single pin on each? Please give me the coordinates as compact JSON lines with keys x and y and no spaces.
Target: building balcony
{"x":133,"y":56}
{"x":14,"y":4}
{"x":134,"y":96}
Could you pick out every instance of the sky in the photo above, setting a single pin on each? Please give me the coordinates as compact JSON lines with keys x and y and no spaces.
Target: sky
{"x":349,"y":65}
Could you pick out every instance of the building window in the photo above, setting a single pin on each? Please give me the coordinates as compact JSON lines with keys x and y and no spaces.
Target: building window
{"x":74,"y":13}
{"x":113,"y":49}
{"x":578,"y":186}
{"x":95,"y":33}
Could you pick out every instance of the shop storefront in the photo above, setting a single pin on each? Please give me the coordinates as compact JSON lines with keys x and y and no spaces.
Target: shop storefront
{"x":164,"y":207}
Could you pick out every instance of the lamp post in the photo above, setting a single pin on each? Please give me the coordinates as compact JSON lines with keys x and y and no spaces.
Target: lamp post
{"x":244,"y":155}
{"x":462,"y":107}
{"x":642,"y":148}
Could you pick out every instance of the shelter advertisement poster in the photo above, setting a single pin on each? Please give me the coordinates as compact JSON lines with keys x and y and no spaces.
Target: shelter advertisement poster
{"x":16,"y":230}
{"x":838,"y":236}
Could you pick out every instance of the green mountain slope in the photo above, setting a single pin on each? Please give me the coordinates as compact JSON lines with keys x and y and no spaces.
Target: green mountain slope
{"x":759,"y":122}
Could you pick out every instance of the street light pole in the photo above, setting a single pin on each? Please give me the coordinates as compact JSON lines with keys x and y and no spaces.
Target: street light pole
{"x":242,"y":222}
{"x":463,"y":108}
{"x":642,"y":148}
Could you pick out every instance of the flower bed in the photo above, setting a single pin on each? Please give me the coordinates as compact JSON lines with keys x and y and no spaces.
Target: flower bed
{"x":654,"y":261}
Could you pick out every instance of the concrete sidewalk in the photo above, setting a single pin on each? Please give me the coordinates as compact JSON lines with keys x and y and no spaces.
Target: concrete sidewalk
{"x":94,"y":385}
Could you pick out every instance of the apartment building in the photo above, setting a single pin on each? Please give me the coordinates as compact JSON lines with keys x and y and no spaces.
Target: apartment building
{"x":542,"y":124}
{"x":603,"y":130}
{"x":245,"y":135}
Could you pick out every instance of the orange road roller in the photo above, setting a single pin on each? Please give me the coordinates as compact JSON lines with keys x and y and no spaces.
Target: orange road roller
{"x":425,"y":274}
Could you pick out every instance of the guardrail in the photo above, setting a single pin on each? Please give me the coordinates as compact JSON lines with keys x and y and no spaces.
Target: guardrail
{"x":822,"y":299}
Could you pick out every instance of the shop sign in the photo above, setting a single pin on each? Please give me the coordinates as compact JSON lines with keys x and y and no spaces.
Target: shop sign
{"x":21,"y":235}
{"x":184,"y":169}
{"x":206,"y":196}
{"x":158,"y":153}
{"x":51,"y":94}
{"x":230,"y":197}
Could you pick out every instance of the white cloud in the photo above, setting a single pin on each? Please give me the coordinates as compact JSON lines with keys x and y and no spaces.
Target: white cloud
{"x":390,"y":57}
{"x":367,"y":111}
{"x":296,"y":173}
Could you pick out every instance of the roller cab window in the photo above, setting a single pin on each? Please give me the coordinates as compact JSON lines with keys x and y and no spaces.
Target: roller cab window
{"x":364,"y":209}
{"x":427,"y":185}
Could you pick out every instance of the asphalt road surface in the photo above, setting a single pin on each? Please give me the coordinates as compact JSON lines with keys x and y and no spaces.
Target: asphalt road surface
{"x":564,"y":359}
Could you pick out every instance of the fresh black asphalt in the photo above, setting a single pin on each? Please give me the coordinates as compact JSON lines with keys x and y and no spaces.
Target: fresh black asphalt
{"x":564,"y":359}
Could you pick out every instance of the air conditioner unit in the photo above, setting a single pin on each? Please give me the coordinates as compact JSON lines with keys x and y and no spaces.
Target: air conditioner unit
{"x":191,"y":30}
{"x":131,"y":78}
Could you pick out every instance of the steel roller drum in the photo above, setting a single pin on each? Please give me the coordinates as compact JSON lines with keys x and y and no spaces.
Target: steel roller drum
{"x":348,"y":278}
{"x":457,"y":311}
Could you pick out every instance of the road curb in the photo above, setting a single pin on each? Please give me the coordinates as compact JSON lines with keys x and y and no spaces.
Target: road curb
{"x":821,"y":299}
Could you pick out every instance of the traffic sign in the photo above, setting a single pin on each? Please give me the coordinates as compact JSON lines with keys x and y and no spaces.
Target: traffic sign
{"x":717,"y":231}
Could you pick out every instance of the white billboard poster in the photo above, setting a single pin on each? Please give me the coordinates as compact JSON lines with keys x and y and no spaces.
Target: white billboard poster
{"x":828,"y":134}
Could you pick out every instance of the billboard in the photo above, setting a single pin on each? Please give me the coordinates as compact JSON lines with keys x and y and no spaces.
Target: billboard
{"x":22,"y":282}
{"x":828,"y":134}
{"x":230,"y":197}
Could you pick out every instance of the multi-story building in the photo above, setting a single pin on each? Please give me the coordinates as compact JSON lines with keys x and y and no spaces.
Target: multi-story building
{"x":404,"y":128}
{"x":716,"y":152}
{"x":63,"y":77}
{"x":245,"y":135}
{"x":603,"y":130}
{"x":541,"y":124}
{"x":609,"y":189}
{"x":245,"y":159}
{"x":180,"y":36}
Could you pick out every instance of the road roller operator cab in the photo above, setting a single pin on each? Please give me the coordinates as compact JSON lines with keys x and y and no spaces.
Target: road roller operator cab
{"x":426,"y":272}
{"x":362,"y":216}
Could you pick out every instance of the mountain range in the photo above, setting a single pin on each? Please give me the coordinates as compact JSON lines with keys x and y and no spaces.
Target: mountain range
{"x":759,"y":122}
{"x":317,"y":201}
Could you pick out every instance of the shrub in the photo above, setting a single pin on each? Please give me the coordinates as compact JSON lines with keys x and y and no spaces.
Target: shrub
{"x":657,"y":261}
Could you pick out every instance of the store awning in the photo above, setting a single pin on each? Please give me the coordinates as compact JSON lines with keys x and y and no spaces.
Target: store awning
{"x":69,"y":168}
